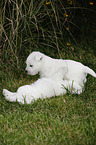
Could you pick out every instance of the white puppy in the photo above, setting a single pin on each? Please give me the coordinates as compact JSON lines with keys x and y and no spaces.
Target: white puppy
{"x":54,"y":74}
{"x":42,"y":88}
{"x":48,"y":67}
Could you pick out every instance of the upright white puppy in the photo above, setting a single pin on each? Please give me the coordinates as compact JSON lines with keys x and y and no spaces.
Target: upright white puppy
{"x":48,"y":67}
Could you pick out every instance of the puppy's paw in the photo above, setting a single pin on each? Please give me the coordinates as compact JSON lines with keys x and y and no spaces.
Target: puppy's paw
{"x":8,"y":95}
{"x":6,"y":92}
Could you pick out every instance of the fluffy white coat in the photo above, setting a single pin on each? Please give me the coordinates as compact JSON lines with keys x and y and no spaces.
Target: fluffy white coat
{"x":48,"y":67}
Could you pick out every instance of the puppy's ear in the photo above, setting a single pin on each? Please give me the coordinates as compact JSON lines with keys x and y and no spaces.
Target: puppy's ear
{"x":38,"y":58}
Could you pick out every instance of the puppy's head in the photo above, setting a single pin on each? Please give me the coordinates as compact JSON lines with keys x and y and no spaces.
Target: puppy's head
{"x":34,"y":63}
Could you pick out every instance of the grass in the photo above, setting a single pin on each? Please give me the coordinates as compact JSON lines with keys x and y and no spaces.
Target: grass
{"x":47,"y":26}
{"x":61,"y":30}
{"x":49,"y":122}
{"x":60,"y":120}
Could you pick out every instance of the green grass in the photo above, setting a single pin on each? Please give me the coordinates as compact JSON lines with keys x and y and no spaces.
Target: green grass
{"x":60,"y":120}
{"x":60,"y":30}
{"x":49,"y":122}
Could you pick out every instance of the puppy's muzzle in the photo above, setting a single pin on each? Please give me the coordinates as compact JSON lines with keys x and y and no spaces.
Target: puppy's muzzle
{"x":26,"y":71}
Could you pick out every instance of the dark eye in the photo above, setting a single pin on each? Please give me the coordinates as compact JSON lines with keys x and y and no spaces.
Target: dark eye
{"x":31,"y":65}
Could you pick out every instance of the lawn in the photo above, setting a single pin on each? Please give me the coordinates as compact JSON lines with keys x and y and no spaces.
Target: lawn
{"x":60,"y":120}
{"x":59,"y":29}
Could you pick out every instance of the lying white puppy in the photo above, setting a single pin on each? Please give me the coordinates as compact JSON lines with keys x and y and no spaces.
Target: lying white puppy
{"x":42,"y":88}
{"x":53,"y":74}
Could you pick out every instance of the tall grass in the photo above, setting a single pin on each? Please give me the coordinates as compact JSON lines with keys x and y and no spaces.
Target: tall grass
{"x":36,"y":25}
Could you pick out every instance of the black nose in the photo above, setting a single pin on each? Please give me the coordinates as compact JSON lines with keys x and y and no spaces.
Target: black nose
{"x":26,"y":71}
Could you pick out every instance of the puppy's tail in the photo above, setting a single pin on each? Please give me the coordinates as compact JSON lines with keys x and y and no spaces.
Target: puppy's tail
{"x":89,"y":71}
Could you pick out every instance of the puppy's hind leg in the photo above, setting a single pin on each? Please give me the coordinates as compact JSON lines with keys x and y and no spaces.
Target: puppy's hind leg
{"x":7,"y":93}
{"x":13,"y":97}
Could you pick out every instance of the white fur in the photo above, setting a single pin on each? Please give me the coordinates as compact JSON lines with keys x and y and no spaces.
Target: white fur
{"x":54,"y":74}
{"x":48,"y":67}
{"x":42,"y":88}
